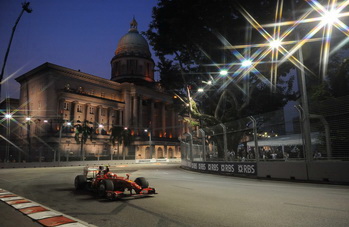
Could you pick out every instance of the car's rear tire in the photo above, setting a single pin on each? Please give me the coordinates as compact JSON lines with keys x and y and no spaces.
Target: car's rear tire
{"x":105,"y":185}
{"x":80,"y":182}
{"x":141,"y":181}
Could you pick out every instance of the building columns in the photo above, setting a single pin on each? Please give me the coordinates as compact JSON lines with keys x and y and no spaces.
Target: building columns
{"x":140,"y":122}
{"x":135,"y":112}
{"x":152,"y":117}
{"x":163,"y":119}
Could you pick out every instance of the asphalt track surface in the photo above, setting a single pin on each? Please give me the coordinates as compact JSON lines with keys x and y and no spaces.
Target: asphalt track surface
{"x":185,"y":199}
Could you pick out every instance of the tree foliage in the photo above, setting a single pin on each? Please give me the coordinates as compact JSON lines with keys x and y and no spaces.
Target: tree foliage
{"x":192,"y":42}
{"x":120,"y":135}
{"x":83,"y":132}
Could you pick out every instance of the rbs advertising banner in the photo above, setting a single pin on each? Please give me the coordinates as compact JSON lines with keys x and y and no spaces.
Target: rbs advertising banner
{"x":224,"y":167}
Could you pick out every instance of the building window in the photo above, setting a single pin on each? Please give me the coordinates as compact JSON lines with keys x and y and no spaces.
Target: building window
{"x":132,"y":66}
{"x":39,"y":105}
{"x":92,"y":92}
{"x":91,"y":110}
{"x":66,"y":106}
{"x":103,"y":112}
{"x":103,"y":95}
{"x":79,"y":109}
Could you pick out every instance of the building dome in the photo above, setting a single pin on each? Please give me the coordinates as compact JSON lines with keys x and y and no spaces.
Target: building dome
{"x":132,"y":61}
{"x":133,"y":43}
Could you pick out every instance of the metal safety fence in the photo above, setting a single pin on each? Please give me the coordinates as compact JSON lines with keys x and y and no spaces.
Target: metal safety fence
{"x":274,"y":136}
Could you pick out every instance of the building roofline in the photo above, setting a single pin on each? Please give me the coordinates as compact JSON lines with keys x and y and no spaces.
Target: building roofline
{"x":48,"y":65}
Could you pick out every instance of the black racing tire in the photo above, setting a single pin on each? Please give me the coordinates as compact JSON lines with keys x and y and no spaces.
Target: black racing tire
{"x":103,"y":186}
{"x":141,"y":181}
{"x":80,"y":182}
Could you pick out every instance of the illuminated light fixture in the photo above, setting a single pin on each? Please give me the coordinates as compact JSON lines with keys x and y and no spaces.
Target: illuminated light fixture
{"x":45,"y":121}
{"x":8,"y":116}
{"x":27,"y":118}
{"x":275,"y":44}
{"x":329,"y":17}
{"x":125,"y":128}
{"x":145,"y":130}
{"x":246,"y":63}
{"x":101,"y":126}
{"x":207,"y":82}
{"x":69,"y":123}
{"x":200,"y":90}
{"x":223,"y":72}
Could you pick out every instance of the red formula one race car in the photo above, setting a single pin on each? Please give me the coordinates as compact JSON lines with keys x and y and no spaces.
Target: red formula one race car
{"x":110,"y":185}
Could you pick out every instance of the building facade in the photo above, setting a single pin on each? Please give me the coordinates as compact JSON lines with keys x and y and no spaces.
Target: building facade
{"x":55,"y":99}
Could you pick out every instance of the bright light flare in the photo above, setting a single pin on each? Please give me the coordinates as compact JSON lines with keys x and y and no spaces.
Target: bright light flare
{"x":27,"y":118}
{"x":246,"y":63}
{"x":8,"y":116}
{"x":330,"y":17}
{"x":223,"y":72}
{"x":200,"y":90}
{"x":275,"y":44}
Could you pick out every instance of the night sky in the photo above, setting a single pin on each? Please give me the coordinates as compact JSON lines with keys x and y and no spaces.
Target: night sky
{"x":77,"y":34}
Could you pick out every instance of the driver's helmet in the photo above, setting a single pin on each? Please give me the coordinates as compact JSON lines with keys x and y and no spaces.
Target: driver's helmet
{"x":100,"y":170}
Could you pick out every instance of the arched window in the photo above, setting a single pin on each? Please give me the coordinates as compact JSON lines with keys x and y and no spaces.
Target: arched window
{"x":160,"y":153}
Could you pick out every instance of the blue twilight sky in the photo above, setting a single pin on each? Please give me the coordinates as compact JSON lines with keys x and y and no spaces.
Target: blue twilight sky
{"x":78,"y":34}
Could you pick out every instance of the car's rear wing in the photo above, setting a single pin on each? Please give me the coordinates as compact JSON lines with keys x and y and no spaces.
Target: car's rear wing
{"x":90,"y":171}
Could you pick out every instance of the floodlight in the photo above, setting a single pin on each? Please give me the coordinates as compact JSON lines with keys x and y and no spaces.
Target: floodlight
{"x":223,"y":72}
{"x":246,"y":63}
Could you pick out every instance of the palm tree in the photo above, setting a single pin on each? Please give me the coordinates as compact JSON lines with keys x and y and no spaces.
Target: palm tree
{"x":120,"y":135}
{"x":86,"y":132}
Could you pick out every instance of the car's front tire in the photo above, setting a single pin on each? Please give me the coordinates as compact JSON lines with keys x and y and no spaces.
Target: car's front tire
{"x":105,"y":185}
{"x":141,"y":181}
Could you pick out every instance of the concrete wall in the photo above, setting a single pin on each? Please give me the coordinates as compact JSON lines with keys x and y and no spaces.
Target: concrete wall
{"x":282,"y":170}
{"x":332,"y":171}
{"x":324,"y":171}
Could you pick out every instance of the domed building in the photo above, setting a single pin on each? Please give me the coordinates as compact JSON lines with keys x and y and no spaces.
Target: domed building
{"x":57,"y":100}
{"x":132,"y":61}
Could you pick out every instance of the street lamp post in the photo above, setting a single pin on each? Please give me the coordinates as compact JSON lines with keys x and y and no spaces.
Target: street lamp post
{"x":7,"y":154}
{"x":150,"y":147}
{"x":60,"y":142}
{"x":25,"y":7}
{"x":28,"y":121}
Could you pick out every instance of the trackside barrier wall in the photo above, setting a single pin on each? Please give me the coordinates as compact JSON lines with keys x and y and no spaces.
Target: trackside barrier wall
{"x":335,"y":172}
